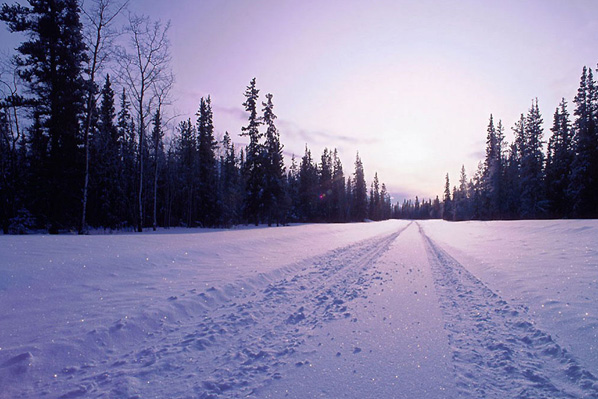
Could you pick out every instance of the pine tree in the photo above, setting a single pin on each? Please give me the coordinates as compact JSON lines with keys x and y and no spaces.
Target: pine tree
{"x":448,"y":208}
{"x":230,"y":184}
{"x":51,"y":63}
{"x":253,"y":168}
{"x":275,"y":201}
{"x":106,"y":193}
{"x":360,"y":200}
{"x":325,"y":204}
{"x":308,"y":188}
{"x":559,"y":161}
{"x":158,"y":160}
{"x":339,"y":195}
{"x":208,"y":213}
{"x":583,"y":187}
{"x":533,"y":202}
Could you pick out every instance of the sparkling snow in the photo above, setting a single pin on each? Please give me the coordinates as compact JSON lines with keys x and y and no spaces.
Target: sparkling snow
{"x":390,"y":309}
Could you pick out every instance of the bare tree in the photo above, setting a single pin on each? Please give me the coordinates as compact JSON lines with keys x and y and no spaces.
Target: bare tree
{"x":161,"y":91}
{"x":143,"y":66}
{"x":99,"y":38}
{"x":11,"y":100}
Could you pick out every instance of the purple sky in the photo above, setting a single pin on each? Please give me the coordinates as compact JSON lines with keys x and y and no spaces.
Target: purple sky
{"x":410,"y":84}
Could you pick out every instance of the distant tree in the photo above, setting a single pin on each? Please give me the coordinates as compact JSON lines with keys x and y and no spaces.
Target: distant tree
{"x":98,"y":37}
{"x":230,"y":184}
{"x":360,"y":201}
{"x":253,"y":168}
{"x":461,"y":200}
{"x":448,"y":208}
{"x":308,"y":187}
{"x":583,"y":186}
{"x":533,"y":202}
{"x":325,"y":204}
{"x":275,"y":200}
{"x":142,"y":68}
{"x":559,"y":162}
{"x":339,"y":194}
{"x":207,"y":173}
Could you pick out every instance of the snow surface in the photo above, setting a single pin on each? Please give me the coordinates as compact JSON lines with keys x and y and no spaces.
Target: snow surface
{"x":373,"y":310}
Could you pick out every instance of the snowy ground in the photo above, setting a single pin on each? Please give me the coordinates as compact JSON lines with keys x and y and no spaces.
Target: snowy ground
{"x":377,"y":310}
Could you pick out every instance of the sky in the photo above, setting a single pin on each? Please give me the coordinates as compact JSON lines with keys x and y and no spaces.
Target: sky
{"x":408,"y":84}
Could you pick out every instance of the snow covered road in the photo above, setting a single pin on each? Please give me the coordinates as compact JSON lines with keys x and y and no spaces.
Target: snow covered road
{"x":356,"y":311}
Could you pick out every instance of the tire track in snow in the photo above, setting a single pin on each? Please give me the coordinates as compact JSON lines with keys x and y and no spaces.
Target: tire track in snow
{"x":242,"y":341}
{"x":497,"y":350}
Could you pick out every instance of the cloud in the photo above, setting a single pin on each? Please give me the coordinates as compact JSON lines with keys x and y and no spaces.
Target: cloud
{"x":235,"y":112}
{"x":293,"y":130}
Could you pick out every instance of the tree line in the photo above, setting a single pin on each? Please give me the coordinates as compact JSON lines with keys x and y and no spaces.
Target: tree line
{"x":522,"y":179}
{"x":82,"y":146}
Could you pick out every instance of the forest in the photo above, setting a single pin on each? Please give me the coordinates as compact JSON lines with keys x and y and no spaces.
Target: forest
{"x":84,"y":144}
{"x":523,"y":179}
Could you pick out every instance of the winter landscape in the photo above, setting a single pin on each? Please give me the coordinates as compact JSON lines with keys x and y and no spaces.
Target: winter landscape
{"x":401,"y":309}
{"x":298,"y":199}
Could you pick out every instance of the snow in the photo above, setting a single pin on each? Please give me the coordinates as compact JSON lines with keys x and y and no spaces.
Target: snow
{"x":383,"y":309}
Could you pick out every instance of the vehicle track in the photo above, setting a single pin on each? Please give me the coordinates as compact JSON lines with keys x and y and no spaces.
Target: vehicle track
{"x":498,"y":352}
{"x":244,"y":339}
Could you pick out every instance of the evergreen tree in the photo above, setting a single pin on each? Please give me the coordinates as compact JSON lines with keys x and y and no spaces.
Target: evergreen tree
{"x":461,"y":201}
{"x":308,"y":187}
{"x":51,"y":63}
{"x":533,"y":202}
{"x":253,"y":168}
{"x":158,"y":160}
{"x":447,"y":209}
{"x":275,"y":201}
{"x":559,"y":161}
{"x":107,"y":196}
{"x":360,"y":200}
{"x":325,"y":204}
{"x":583,"y":187}
{"x":230,"y":184}
{"x":339,"y":195}
{"x":207,"y":173}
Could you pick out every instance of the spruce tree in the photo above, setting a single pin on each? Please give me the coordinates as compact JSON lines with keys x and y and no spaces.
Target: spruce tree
{"x":308,"y":188}
{"x":339,"y":195}
{"x":207,"y":173}
{"x":275,"y":202}
{"x":533,"y":202}
{"x":559,"y":161}
{"x":51,"y":63}
{"x":230,"y":184}
{"x":360,"y":201}
{"x":448,"y":208}
{"x":253,"y":168}
{"x":583,"y":187}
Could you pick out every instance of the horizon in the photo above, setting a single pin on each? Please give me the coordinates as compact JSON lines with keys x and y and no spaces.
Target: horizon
{"x":400,"y":83}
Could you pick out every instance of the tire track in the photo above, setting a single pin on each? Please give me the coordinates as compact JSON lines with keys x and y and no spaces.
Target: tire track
{"x":241,"y":342}
{"x":497,"y":350}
